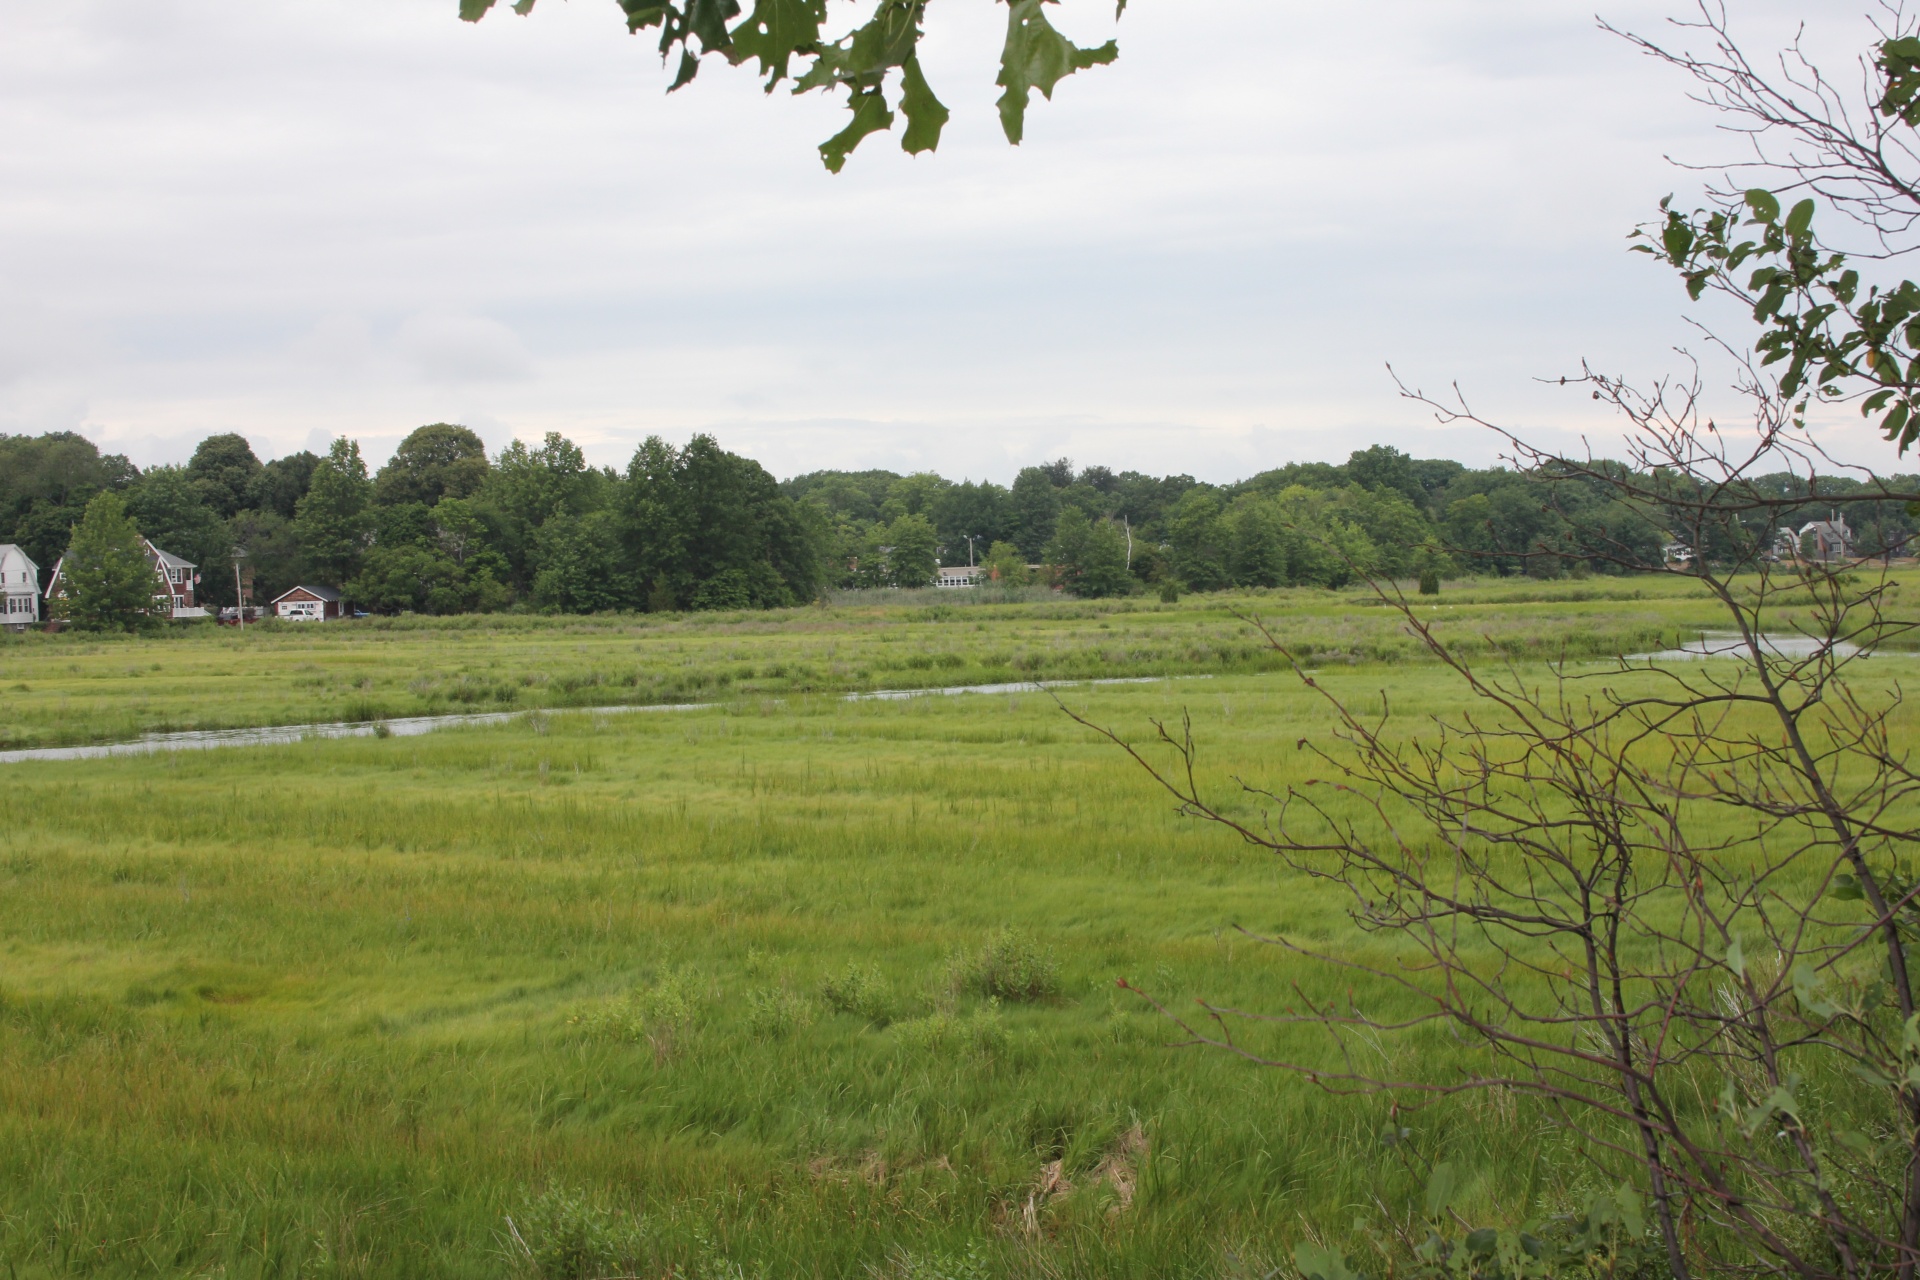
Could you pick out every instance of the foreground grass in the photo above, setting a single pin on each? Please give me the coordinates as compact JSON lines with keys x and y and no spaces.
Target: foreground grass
{"x":343,"y":1008}
{"x":58,"y":690}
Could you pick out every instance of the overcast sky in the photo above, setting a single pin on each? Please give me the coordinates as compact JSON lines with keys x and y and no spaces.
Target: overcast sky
{"x":307,"y":218}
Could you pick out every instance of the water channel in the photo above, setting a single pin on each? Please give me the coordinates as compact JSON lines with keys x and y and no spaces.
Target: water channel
{"x":414,"y":726}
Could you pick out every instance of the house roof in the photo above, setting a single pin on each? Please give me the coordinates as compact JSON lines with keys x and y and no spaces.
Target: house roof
{"x":168,"y":560}
{"x":11,"y":549}
{"x":327,"y":594}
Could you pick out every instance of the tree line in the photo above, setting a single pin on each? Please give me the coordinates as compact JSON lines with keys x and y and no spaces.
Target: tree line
{"x":445,"y":528}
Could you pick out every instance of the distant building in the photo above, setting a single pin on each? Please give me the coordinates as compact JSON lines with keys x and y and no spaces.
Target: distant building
{"x":1825,"y":541}
{"x":307,"y":604}
{"x":965,"y":575}
{"x":19,"y":587}
{"x":1677,"y":553}
{"x":176,"y":584}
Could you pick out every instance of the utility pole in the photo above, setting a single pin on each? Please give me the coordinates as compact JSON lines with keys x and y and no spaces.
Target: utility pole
{"x":969,"y":538}
{"x":239,"y":592}
{"x":1128,"y":526}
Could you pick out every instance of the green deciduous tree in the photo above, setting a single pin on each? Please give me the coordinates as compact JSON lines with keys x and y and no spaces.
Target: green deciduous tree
{"x":1089,"y":557}
{"x":530,"y":486}
{"x":980,"y":510}
{"x":580,"y":568}
{"x":45,"y":484}
{"x":1197,"y":540}
{"x":1257,"y":539}
{"x":1384,"y":467}
{"x":434,"y":462}
{"x":1394,"y":525}
{"x":875,"y":57}
{"x":913,"y":560}
{"x":694,"y":514}
{"x":332,"y":520}
{"x":168,"y":507}
{"x":109,"y":578}
{"x":430,"y":560}
{"x":1005,"y":565}
{"x":1033,"y":506}
{"x":273,"y":553}
{"x":224,"y":471}
{"x":282,"y":483}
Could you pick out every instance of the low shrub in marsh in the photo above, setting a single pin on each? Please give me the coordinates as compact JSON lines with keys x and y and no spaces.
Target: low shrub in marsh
{"x":982,"y":1033}
{"x":564,"y":1236}
{"x":1011,"y":966}
{"x":778,"y":1011}
{"x":660,"y":1015}
{"x":861,"y":992}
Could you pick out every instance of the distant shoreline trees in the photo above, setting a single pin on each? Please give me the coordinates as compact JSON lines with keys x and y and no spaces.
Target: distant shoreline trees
{"x":444,"y":528}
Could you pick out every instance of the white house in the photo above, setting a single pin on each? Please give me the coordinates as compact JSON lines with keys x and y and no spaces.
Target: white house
{"x":175,"y":584}
{"x":19,"y":587}
{"x":964,"y":575}
{"x":307,"y":604}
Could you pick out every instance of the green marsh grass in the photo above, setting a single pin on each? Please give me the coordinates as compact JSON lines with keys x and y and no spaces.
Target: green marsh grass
{"x":65,"y":689}
{"x":788,"y":986}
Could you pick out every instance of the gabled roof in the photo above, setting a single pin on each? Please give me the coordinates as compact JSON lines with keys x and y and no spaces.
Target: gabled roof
{"x":168,"y":560}
{"x":162,"y":561}
{"x":327,"y":594}
{"x":7,"y":548}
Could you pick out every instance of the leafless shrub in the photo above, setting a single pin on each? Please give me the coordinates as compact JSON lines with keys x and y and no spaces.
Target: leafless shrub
{"x":1669,"y":900}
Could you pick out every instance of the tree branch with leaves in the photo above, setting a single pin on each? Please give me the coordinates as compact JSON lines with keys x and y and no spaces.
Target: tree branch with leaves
{"x":867,"y":61}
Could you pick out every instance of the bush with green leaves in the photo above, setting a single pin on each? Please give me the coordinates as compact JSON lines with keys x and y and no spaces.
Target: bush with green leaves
{"x":564,"y":1236}
{"x":1609,"y":1238}
{"x":1011,"y":966}
{"x":660,"y":1014}
{"x":977,"y":1263}
{"x":861,"y":992}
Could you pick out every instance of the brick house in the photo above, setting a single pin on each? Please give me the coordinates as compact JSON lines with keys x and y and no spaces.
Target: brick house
{"x":175,"y":584}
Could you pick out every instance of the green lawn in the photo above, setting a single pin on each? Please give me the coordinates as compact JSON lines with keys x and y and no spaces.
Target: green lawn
{"x":690,"y":991}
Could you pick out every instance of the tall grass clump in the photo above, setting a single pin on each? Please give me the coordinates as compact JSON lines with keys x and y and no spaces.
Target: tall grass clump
{"x":773,"y":1012}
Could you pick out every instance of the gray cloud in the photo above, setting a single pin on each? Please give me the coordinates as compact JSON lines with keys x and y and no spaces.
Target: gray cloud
{"x":354,"y":216}
{"x":462,"y":349}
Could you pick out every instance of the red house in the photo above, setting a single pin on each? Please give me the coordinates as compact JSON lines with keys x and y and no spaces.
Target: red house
{"x":174,"y":584}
